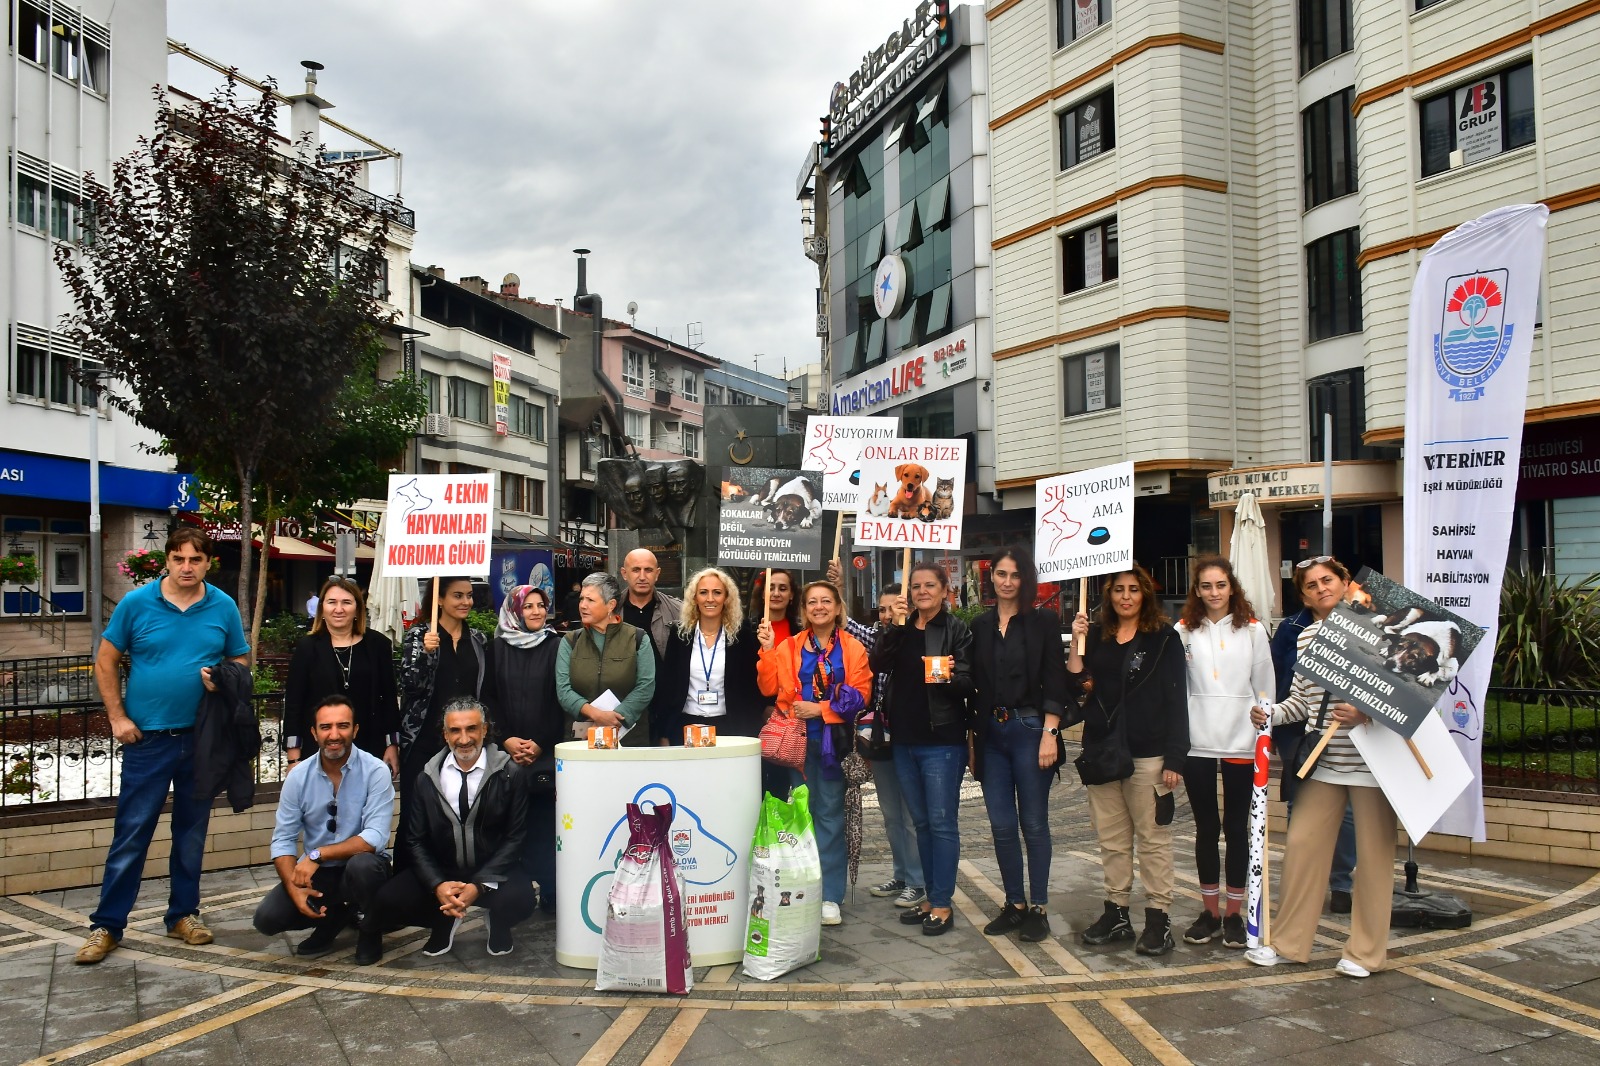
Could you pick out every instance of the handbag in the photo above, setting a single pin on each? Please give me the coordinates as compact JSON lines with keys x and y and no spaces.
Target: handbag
{"x":1296,"y":757}
{"x":1107,"y":759}
{"x":783,"y":741}
{"x":539,"y":776}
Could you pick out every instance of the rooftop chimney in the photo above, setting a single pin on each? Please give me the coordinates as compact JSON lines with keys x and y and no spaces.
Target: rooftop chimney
{"x":475,"y":283}
{"x":510,"y":285}
{"x":436,"y":270}
{"x":305,"y":111}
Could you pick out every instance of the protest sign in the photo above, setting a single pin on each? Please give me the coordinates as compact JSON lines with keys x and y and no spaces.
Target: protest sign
{"x":1085,"y":523}
{"x":1388,"y":651}
{"x":770,"y":518}
{"x":911,"y":494}
{"x":1419,"y":796}
{"x":833,"y":446}
{"x":439,"y":524}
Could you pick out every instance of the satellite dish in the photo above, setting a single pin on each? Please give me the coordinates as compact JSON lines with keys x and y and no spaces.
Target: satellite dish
{"x":633,"y":308}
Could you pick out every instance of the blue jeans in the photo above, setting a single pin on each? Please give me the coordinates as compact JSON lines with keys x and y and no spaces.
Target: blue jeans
{"x":897,"y":823}
{"x":1016,"y":791}
{"x":1344,"y":854}
{"x":930,"y":781}
{"x":149,"y":768}
{"x":827,"y":819}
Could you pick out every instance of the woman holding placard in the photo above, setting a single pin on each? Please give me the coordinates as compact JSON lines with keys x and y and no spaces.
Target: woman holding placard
{"x":820,"y":675}
{"x":1135,"y":741}
{"x":708,"y":676}
{"x":1230,"y":670}
{"x":1338,"y":777}
{"x":927,"y":658}
{"x":1021,"y":677}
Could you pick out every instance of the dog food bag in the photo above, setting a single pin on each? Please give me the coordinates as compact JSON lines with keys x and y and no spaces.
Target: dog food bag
{"x":645,"y":946}
{"x":785,"y":928}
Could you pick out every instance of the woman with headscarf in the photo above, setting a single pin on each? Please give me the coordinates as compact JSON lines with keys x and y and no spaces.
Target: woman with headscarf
{"x":528,"y":723}
{"x":342,"y":656}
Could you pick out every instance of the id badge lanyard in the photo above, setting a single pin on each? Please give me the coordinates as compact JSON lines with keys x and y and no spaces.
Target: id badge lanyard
{"x":707,"y":666}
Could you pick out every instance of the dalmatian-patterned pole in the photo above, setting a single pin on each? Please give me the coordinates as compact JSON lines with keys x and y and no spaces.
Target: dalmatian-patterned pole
{"x":1258,"y":928}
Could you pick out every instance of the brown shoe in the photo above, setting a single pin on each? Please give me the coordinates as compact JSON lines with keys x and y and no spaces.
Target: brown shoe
{"x":99,"y":944}
{"x":191,"y":930}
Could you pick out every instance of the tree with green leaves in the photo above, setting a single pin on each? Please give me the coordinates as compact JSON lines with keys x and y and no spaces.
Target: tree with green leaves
{"x":226,"y":287}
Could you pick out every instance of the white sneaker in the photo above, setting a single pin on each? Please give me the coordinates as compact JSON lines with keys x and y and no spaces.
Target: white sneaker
{"x":1264,"y":956}
{"x":830,"y":914}
{"x":1351,"y":969}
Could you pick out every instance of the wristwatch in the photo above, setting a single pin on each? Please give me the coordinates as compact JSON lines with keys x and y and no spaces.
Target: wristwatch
{"x":315,"y":854}
{"x":1054,"y":731}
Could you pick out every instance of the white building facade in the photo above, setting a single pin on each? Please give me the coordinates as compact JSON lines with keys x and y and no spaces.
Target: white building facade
{"x":1207,"y":218}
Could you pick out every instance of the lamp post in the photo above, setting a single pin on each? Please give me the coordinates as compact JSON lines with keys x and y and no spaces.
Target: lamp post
{"x":91,"y":382}
{"x":1324,"y":388}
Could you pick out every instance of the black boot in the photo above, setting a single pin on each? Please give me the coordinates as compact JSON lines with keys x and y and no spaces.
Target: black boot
{"x":1157,"y":936}
{"x":1112,"y":925}
{"x":369,"y":948}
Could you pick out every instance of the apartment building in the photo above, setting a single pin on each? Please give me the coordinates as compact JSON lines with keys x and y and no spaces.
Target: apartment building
{"x":1207,"y":219}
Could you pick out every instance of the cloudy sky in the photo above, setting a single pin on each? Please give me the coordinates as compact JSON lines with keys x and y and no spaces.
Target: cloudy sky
{"x":666,"y":136}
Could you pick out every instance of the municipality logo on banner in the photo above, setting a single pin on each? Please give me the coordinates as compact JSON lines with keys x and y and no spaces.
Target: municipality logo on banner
{"x":1474,"y":337}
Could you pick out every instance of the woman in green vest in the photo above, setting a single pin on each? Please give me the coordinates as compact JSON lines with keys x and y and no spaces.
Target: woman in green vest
{"x":606,"y":656}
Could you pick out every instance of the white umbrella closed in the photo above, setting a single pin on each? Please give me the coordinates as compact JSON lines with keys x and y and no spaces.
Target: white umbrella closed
{"x":1248,"y":554}
{"x":390,"y":600}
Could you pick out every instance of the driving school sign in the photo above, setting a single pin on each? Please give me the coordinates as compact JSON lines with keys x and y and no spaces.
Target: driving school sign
{"x":1085,"y":523}
{"x":439,"y":524}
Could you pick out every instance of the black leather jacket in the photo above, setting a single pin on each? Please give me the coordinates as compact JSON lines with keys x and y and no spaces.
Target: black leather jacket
{"x":489,"y":846}
{"x":945,"y":635}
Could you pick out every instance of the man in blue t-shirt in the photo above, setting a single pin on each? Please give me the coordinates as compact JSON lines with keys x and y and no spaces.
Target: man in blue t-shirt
{"x":173,"y":632}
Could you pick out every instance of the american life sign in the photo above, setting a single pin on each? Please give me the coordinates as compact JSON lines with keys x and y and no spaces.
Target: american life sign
{"x":833,"y":446}
{"x":1085,"y":523}
{"x":1473,"y":309}
{"x":439,"y":525}
{"x":912,"y":493}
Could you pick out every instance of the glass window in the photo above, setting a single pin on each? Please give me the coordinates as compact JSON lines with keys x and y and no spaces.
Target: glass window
{"x":1090,"y":255}
{"x":469,"y":400}
{"x":935,"y":206}
{"x":64,"y":50}
{"x":1343,"y":395}
{"x":874,"y":353}
{"x":633,"y":424}
{"x":691,"y":387}
{"x":1479,"y":120}
{"x":1093,"y":381}
{"x":1324,"y":31}
{"x":872,"y":248}
{"x":430,"y":385}
{"x":1333,"y":284}
{"x":30,"y":372}
{"x":905,"y":327}
{"x":1329,"y":131}
{"x":633,"y":368}
{"x":1088,"y":130}
{"x":713,"y":395}
{"x":938,"y":312}
{"x":691,"y":441}
{"x":96,"y":66}
{"x":33,"y":197}
{"x":1075,"y":18}
{"x":63,"y":210}
{"x":63,"y":389}
{"x":907,"y":234}
{"x":32,"y":37}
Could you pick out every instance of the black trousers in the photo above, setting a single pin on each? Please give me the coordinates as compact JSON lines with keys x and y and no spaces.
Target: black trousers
{"x":1232,"y":823}
{"x":405,"y":900}
{"x":540,"y":858}
{"x":352,"y":886}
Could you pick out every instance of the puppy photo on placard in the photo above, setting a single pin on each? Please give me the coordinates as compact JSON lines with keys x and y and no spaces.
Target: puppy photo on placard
{"x":912,"y":493}
{"x":795,"y":503}
{"x":1426,"y":651}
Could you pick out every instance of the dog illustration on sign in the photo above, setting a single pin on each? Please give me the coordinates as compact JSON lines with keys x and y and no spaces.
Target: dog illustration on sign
{"x":822,"y":455}
{"x":415,"y":500}
{"x":1065,"y":526}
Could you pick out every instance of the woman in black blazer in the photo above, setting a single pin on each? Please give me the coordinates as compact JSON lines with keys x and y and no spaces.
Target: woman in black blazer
{"x":1021,"y":672}
{"x":342,"y":656}
{"x":708,"y":674}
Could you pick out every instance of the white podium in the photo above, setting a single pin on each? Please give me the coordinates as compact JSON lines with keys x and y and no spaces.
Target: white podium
{"x":715,"y":795}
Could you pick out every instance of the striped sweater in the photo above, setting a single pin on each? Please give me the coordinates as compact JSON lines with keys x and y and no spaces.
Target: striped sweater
{"x":1340,"y":763}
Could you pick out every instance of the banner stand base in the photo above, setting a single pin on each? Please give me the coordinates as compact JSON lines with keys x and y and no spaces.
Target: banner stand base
{"x":1414,"y":908}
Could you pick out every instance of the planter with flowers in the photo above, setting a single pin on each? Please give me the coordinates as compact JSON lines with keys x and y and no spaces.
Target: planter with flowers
{"x":19,"y":568}
{"x":143,"y":565}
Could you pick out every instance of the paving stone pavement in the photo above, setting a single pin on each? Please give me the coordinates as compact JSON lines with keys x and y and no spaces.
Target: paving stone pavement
{"x":1522,"y":986}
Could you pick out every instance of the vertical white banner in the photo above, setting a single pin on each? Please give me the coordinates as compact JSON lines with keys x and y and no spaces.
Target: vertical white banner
{"x":502,"y":392}
{"x":1473,"y":309}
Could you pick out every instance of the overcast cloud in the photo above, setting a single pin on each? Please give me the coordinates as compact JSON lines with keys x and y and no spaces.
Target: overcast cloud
{"x":666,"y":136}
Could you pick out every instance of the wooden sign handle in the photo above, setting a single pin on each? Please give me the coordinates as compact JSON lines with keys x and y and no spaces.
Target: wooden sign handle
{"x":1316,"y":752}
{"x":433,"y":623}
{"x":766,"y":596}
{"x":905,"y":583}
{"x":838,"y":533}
{"x":1417,"y":754}
{"x":1083,"y":606}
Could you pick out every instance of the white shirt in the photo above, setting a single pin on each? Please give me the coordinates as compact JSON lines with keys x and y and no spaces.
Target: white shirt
{"x":450,"y":780}
{"x":708,"y":668}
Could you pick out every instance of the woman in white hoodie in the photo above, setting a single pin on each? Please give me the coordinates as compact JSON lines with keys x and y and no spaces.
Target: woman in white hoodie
{"x":1230,"y":669}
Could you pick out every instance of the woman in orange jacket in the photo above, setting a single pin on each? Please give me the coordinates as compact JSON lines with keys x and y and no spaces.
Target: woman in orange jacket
{"x":821,"y":676}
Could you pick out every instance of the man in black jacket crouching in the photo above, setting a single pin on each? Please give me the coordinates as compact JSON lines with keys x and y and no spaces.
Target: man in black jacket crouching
{"x":466,"y":833}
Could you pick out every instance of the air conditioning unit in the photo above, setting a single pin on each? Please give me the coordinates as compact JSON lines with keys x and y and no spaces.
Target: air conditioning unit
{"x":822,"y":325}
{"x":436,"y":425}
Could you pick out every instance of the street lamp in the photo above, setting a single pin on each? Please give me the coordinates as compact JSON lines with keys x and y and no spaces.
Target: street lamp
{"x":91,"y":384}
{"x":1323,"y":388}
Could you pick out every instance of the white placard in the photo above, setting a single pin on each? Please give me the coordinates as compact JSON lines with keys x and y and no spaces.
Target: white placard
{"x":1086,"y":14}
{"x":1479,"y":110}
{"x":715,"y":793}
{"x":833,"y":446}
{"x":911,"y":494}
{"x":439,"y":525}
{"x":1085,"y":523}
{"x":1418,"y":800}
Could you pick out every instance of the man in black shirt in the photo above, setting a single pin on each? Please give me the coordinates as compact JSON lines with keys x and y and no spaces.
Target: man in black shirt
{"x":655,"y":614}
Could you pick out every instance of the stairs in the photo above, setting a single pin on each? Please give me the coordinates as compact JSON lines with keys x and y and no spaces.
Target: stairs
{"x":20,"y":640}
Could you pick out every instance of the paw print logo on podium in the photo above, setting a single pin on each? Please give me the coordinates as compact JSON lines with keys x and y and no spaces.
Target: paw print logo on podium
{"x":566,"y":821}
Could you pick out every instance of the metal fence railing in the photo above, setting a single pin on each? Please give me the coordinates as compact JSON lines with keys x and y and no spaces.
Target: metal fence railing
{"x":1540,"y":738}
{"x":55,"y":679}
{"x":65,"y":751}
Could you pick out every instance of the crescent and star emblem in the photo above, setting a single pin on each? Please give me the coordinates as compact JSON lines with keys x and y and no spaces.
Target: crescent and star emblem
{"x":749,"y":450}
